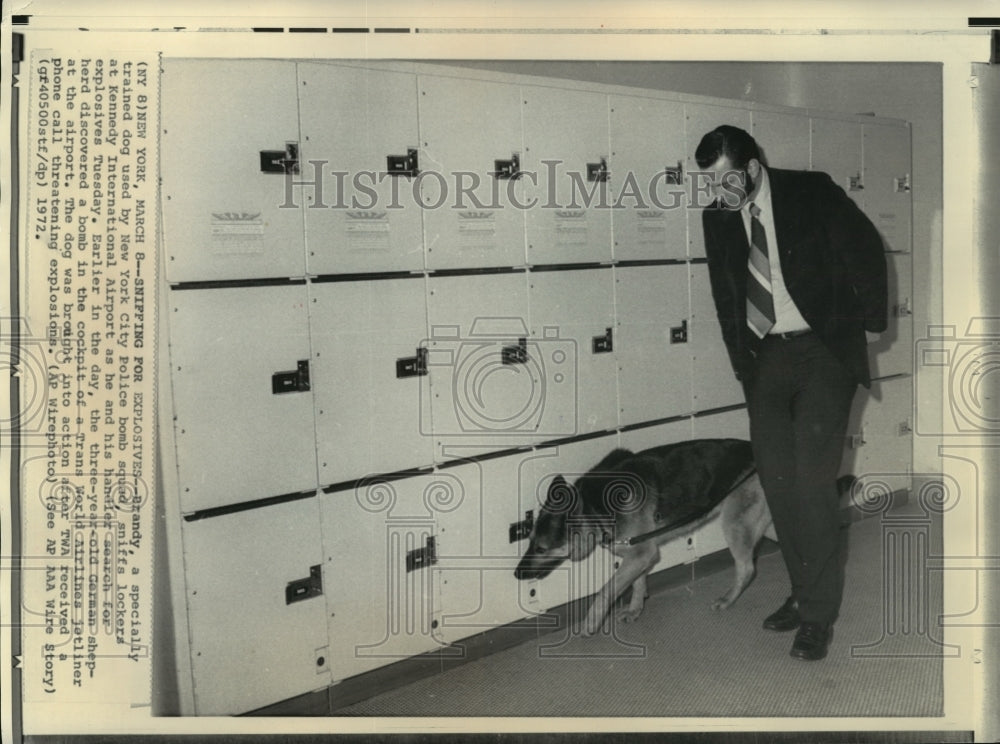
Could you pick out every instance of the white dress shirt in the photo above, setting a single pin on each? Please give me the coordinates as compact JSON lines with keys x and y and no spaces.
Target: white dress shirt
{"x":786,"y":314}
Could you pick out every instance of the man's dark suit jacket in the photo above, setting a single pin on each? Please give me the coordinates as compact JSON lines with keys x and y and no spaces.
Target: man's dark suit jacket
{"x":832,"y":260}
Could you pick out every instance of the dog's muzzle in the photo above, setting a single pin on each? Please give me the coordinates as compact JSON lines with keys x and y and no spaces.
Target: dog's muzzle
{"x":536,"y":566}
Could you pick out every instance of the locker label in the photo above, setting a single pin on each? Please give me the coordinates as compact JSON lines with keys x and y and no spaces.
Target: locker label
{"x":507,"y":169}
{"x":415,"y":366}
{"x":522,"y":530}
{"x":281,"y":161}
{"x":403,"y":165}
{"x":237,"y":233}
{"x":598,"y":171}
{"x":516,"y":354}
{"x":422,"y":557}
{"x":679,"y":334}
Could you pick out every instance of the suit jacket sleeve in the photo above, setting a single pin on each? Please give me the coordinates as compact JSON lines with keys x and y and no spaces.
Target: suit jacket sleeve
{"x":861,"y":252}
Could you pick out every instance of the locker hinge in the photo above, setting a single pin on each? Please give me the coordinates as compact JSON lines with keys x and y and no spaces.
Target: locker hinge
{"x":403,"y":165}
{"x":679,"y":334}
{"x":422,"y":557}
{"x":508,"y":169}
{"x":311,"y":586}
{"x":598,"y":171}
{"x":855,"y":184}
{"x":280,"y":161}
{"x":516,"y":354}
{"x":296,"y":381}
{"x":414,"y":366}
{"x":604,"y":344}
{"x":674,"y":174}
{"x":902,"y":184}
{"x":522,"y":530}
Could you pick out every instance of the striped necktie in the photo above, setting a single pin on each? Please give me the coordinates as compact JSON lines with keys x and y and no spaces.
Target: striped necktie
{"x":760,"y":303}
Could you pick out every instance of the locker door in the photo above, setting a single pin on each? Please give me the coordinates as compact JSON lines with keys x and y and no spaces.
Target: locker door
{"x":228,"y":127}
{"x":481,"y":541}
{"x":489,"y":385}
{"x":728,"y":424}
{"x":654,"y":369}
{"x":675,"y":552}
{"x":647,"y":181}
{"x":887,"y":198}
{"x":242,"y":401}
{"x":380,"y":545}
{"x":572,"y":312}
{"x":256,"y":613}
{"x":886,"y":429}
{"x":366,"y":338}
{"x":362,"y":127}
{"x":783,"y":139}
{"x":571,"y":580}
{"x":892,"y":353}
{"x":700,"y":119}
{"x":715,"y":384}
{"x":472,"y":127}
{"x":836,"y":150}
{"x":566,"y":146}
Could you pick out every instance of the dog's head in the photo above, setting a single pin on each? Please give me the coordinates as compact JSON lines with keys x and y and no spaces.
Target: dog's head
{"x":554,"y":537}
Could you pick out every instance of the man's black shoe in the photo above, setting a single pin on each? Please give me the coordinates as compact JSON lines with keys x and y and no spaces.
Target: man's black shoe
{"x":812,"y":641}
{"x":786,"y":618}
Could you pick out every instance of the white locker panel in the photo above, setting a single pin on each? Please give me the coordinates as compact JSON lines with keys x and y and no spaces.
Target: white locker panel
{"x":647,"y":181}
{"x":700,"y":119}
{"x":473,"y":128}
{"x":571,"y":580}
{"x":573,"y":315}
{"x":567,"y":148}
{"x":366,"y":337}
{"x":836,"y":150}
{"x":223,"y":216}
{"x":361,"y":124}
{"x":783,"y":139}
{"x":481,"y":542}
{"x":243,"y":407}
{"x":886,"y":429}
{"x":488,"y":382}
{"x":715,"y":384}
{"x":654,"y":357}
{"x":887,"y":198}
{"x":675,"y":552}
{"x":380,"y":544}
{"x":256,"y":611}
{"x":892,"y":353}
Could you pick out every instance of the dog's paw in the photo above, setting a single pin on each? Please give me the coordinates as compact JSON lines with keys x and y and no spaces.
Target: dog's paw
{"x":628,"y":615}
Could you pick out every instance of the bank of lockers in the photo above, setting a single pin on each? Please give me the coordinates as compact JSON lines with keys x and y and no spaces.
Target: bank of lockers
{"x":381,"y":354}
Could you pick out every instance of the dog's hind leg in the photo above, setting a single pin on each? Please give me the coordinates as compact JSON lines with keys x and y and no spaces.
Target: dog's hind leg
{"x":635,"y":564}
{"x":745,"y":519}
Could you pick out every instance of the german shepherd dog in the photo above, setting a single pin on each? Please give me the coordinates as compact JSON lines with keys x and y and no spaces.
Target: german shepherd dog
{"x":631,"y":503}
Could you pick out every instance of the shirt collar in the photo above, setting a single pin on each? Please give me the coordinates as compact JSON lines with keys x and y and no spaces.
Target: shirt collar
{"x":763,"y":198}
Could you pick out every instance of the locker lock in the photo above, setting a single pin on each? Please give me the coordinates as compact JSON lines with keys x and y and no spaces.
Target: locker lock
{"x":507,"y":169}
{"x":679,"y":334}
{"x":903,"y":309}
{"x":598,"y":171}
{"x":421,"y":557}
{"x":515,"y":354}
{"x":403,"y":165}
{"x":415,"y":366}
{"x":902,"y":184}
{"x":603,"y":344}
{"x":522,"y":530}
{"x":281,"y":161}
{"x":295,"y":381}
{"x":855,"y":183}
{"x":300,"y":589}
{"x":674,"y":175}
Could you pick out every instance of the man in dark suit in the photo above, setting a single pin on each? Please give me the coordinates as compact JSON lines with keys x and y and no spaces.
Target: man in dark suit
{"x":798,"y":276}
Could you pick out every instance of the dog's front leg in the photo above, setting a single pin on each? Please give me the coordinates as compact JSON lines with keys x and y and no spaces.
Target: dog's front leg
{"x":634,"y":564}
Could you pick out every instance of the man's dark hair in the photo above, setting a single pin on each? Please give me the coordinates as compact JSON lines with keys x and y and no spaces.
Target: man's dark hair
{"x":727,"y":140}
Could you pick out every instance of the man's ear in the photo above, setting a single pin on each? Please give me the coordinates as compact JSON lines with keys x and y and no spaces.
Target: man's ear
{"x":753,"y":168}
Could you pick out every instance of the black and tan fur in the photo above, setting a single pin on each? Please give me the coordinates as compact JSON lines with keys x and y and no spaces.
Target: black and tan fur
{"x":629,"y":495}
